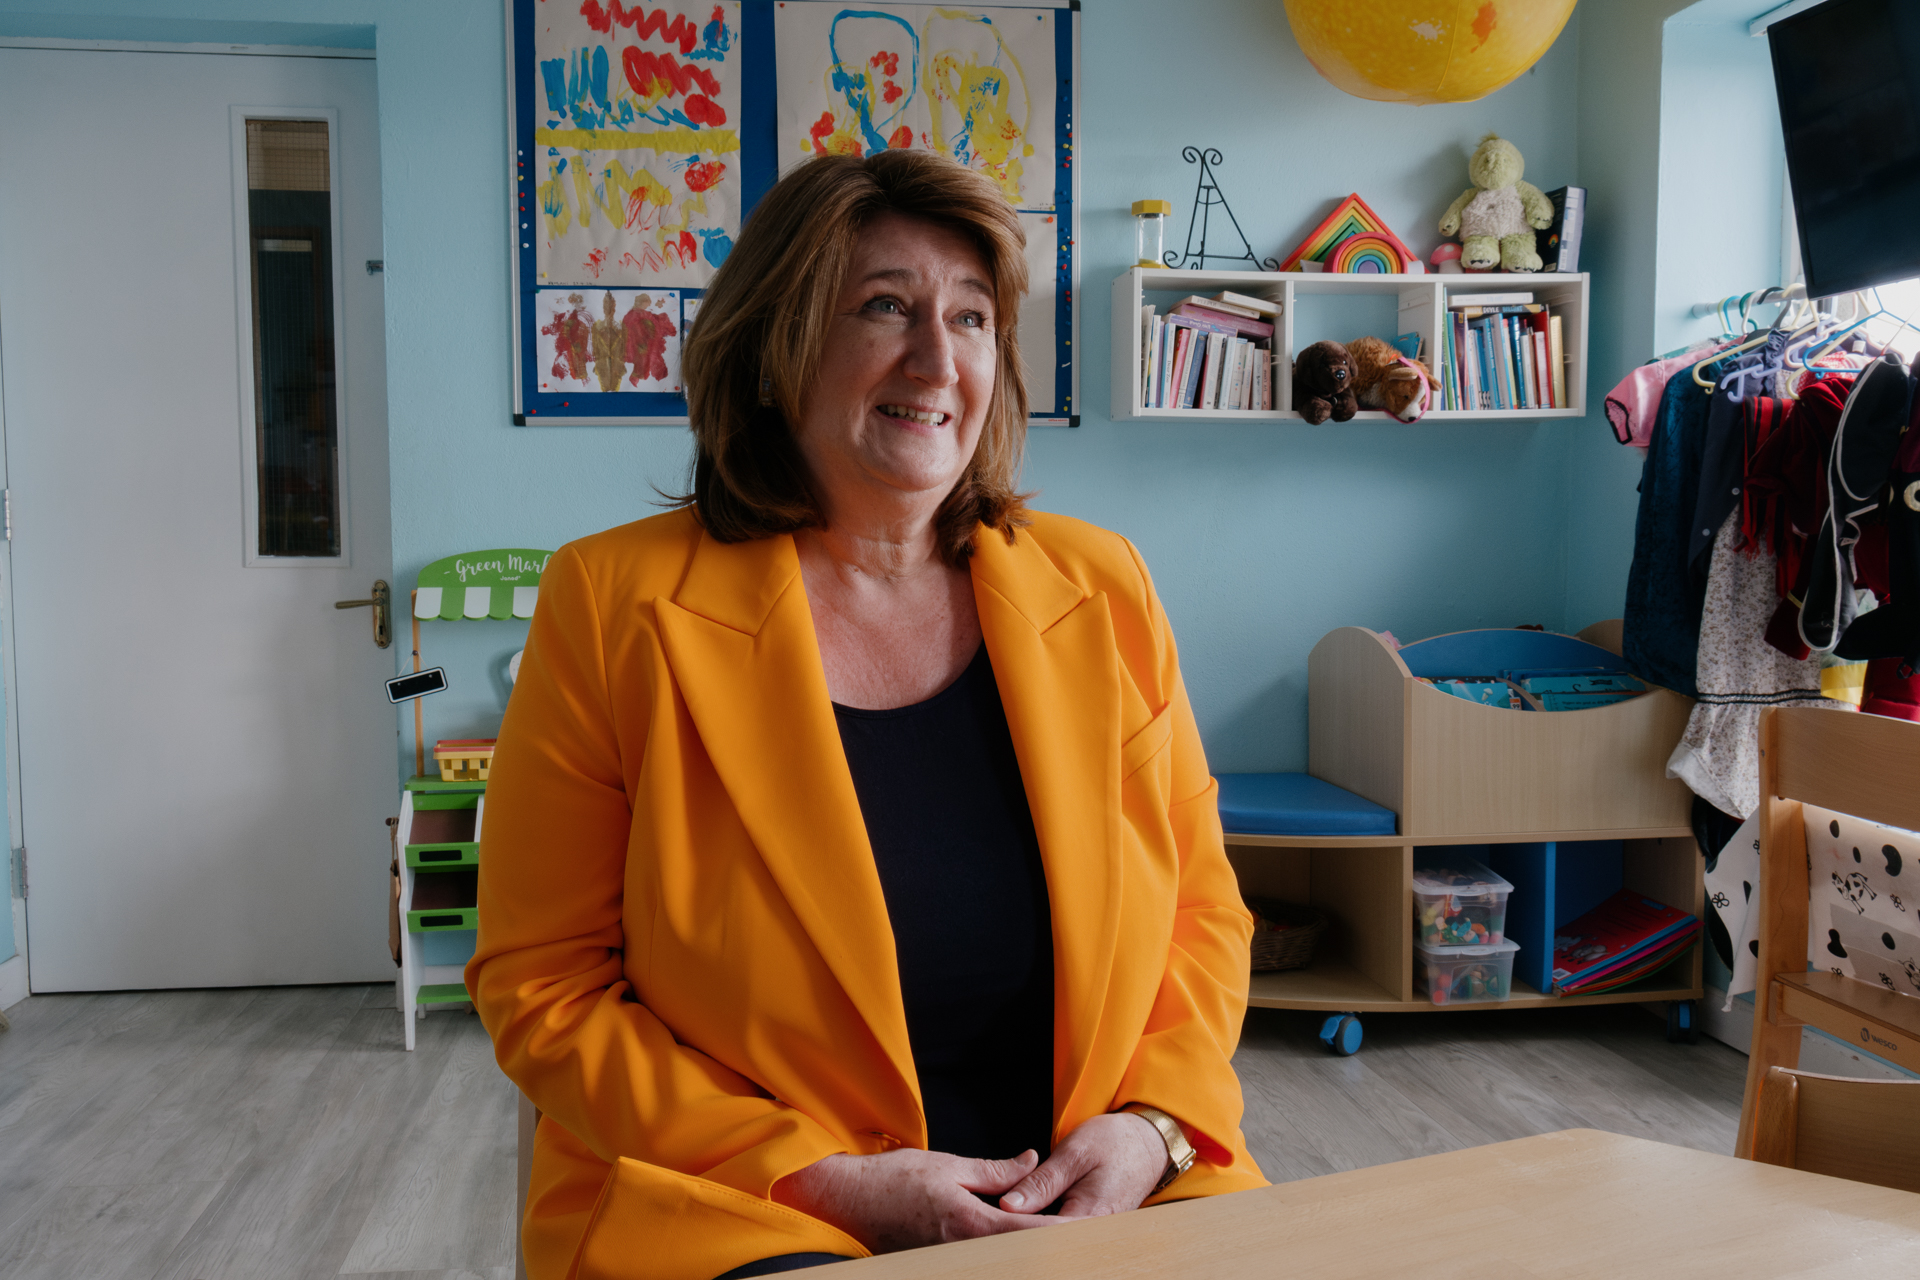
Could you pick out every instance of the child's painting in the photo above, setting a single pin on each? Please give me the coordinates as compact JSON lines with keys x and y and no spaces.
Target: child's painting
{"x":974,"y":84}
{"x":636,"y":131}
{"x":601,"y":340}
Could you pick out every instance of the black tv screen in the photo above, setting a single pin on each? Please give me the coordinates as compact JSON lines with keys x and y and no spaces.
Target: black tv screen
{"x":1848,"y":76}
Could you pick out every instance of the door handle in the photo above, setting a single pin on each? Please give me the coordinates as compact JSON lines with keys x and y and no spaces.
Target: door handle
{"x":382,"y":605}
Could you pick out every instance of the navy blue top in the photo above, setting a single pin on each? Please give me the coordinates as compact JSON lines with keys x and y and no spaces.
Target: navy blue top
{"x":953,"y":840}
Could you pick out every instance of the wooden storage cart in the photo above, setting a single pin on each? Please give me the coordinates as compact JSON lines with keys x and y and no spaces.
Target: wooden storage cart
{"x":1554,"y":797}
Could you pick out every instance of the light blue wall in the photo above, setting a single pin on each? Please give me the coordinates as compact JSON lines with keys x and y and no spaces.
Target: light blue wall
{"x":1620,"y":113}
{"x":1261,"y":538}
{"x":1722,"y":164}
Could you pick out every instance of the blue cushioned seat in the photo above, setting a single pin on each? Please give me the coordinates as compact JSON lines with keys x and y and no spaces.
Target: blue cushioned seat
{"x":1297,"y":804}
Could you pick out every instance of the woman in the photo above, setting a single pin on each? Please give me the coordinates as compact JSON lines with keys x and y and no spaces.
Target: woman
{"x":852,"y":877}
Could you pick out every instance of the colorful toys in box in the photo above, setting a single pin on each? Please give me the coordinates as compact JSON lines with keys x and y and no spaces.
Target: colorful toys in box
{"x":1462,"y":975}
{"x":1487,"y":693}
{"x":1575,"y":690}
{"x":1459,"y":904}
{"x":1572,"y":689}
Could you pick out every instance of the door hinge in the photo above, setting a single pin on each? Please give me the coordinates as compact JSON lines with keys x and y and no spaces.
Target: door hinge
{"x":18,"y":868}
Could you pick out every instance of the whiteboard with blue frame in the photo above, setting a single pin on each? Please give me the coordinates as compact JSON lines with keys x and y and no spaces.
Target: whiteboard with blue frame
{"x":643,"y":135}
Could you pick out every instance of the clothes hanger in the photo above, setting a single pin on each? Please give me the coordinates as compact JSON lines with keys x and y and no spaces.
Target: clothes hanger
{"x":1752,"y":344}
{"x":1825,"y":346}
{"x":1743,"y":330}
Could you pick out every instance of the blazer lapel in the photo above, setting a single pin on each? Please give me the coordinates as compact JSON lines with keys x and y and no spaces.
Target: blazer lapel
{"x":739,"y":637}
{"x":1058,"y":669}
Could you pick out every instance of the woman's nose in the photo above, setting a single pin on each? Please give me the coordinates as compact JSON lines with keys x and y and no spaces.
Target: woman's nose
{"x":930,"y":355}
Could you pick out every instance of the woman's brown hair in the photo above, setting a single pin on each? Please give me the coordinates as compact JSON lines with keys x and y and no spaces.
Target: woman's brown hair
{"x":763,"y":324}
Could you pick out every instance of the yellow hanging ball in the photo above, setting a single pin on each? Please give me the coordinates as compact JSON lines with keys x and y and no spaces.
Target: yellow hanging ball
{"x":1424,"y":51}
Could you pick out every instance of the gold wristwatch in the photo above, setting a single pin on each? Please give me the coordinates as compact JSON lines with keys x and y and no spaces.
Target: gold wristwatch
{"x":1179,"y":1150}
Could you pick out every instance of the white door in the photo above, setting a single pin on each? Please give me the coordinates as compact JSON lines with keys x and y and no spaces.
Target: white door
{"x":206,"y":753}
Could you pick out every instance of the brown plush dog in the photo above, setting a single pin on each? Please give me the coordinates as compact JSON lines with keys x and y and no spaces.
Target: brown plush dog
{"x":1323,"y":383}
{"x":1381,"y":381}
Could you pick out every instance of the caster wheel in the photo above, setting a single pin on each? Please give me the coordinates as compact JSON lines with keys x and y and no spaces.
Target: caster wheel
{"x":1683,"y":1022}
{"x":1341,"y":1033}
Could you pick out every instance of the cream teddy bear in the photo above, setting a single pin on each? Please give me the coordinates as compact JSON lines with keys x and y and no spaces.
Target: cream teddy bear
{"x":1496,"y":217}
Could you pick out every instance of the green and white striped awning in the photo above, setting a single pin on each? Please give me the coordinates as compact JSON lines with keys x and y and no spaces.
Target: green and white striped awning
{"x":481,"y":584}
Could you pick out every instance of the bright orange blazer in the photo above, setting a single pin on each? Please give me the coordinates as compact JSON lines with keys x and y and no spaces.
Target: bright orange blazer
{"x":684,"y":956}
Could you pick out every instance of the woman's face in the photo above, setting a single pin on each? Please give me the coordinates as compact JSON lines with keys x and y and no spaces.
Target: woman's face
{"x":908,"y":368}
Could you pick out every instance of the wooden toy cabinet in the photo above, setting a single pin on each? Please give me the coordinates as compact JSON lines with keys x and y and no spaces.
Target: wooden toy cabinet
{"x":1421,"y":306}
{"x":439,"y":838}
{"x":1568,"y":805}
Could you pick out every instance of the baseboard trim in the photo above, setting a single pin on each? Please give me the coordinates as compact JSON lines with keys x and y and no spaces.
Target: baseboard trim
{"x":13,"y":981}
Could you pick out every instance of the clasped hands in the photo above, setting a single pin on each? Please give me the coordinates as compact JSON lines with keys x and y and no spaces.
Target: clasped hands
{"x":907,"y":1198}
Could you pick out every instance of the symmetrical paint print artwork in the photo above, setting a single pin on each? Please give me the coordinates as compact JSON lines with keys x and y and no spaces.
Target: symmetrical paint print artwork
{"x":637,"y":141}
{"x":974,"y":84}
{"x":609,"y":340}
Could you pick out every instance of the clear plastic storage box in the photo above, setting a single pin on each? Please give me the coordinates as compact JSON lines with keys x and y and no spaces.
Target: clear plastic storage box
{"x":1459,"y":903}
{"x":1463,"y":975}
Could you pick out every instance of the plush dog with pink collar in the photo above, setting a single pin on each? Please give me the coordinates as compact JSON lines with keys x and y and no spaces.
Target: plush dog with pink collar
{"x":1385,"y":379}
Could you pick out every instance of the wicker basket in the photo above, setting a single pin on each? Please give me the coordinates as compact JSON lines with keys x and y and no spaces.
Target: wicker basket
{"x":1284,"y":933}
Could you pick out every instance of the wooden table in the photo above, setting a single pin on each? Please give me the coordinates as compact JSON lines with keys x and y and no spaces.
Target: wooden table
{"x":1578,"y":1203}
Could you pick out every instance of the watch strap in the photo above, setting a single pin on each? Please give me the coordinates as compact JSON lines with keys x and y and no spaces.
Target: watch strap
{"x":1180,"y":1153}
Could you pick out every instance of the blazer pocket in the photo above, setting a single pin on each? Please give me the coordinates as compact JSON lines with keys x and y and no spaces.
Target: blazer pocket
{"x":1139,"y":750}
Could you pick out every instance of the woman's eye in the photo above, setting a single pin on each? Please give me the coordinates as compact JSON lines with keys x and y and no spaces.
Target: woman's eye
{"x":886,"y":306}
{"x":973,"y":320}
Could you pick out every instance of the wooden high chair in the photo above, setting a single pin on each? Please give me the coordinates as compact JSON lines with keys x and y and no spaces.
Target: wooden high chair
{"x":1862,"y":1130}
{"x":1863,"y":765}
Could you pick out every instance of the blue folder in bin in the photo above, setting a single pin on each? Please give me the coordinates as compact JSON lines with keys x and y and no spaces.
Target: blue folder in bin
{"x":1297,"y":804}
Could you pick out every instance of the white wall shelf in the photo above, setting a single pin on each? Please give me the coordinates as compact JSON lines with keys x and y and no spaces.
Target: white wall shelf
{"x":1422,"y":306}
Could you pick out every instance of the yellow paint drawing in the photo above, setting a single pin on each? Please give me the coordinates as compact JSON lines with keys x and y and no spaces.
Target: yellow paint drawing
{"x":680,"y":141}
{"x":980,"y":97}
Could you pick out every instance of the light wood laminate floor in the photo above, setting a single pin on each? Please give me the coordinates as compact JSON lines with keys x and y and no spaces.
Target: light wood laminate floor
{"x":259,"y":1134}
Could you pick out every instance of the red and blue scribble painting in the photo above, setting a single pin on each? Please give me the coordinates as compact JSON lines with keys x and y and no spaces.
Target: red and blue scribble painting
{"x":637,"y":141}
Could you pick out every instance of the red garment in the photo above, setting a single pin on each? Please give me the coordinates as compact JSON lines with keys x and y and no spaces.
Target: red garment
{"x":1785,"y":495}
{"x":1886,"y":694}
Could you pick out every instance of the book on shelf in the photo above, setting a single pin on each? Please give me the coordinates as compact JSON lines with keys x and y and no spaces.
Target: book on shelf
{"x":1512,"y":298}
{"x":1474,"y":310}
{"x":1196,"y":363}
{"x":1216,"y":304}
{"x":1202,"y":310}
{"x":1634,"y":968}
{"x":1559,"y":245}
{"x":1195,"y":358}
{"x":1210,"y":372}
{"x":1262,"y":308}
{"x":1626,"y":937}
{"x":1558,"y":361}
{"x":1501,"y":356}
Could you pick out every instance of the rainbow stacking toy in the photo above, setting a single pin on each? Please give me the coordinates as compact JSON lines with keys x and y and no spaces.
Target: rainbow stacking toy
{"x":1379,"y":249}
